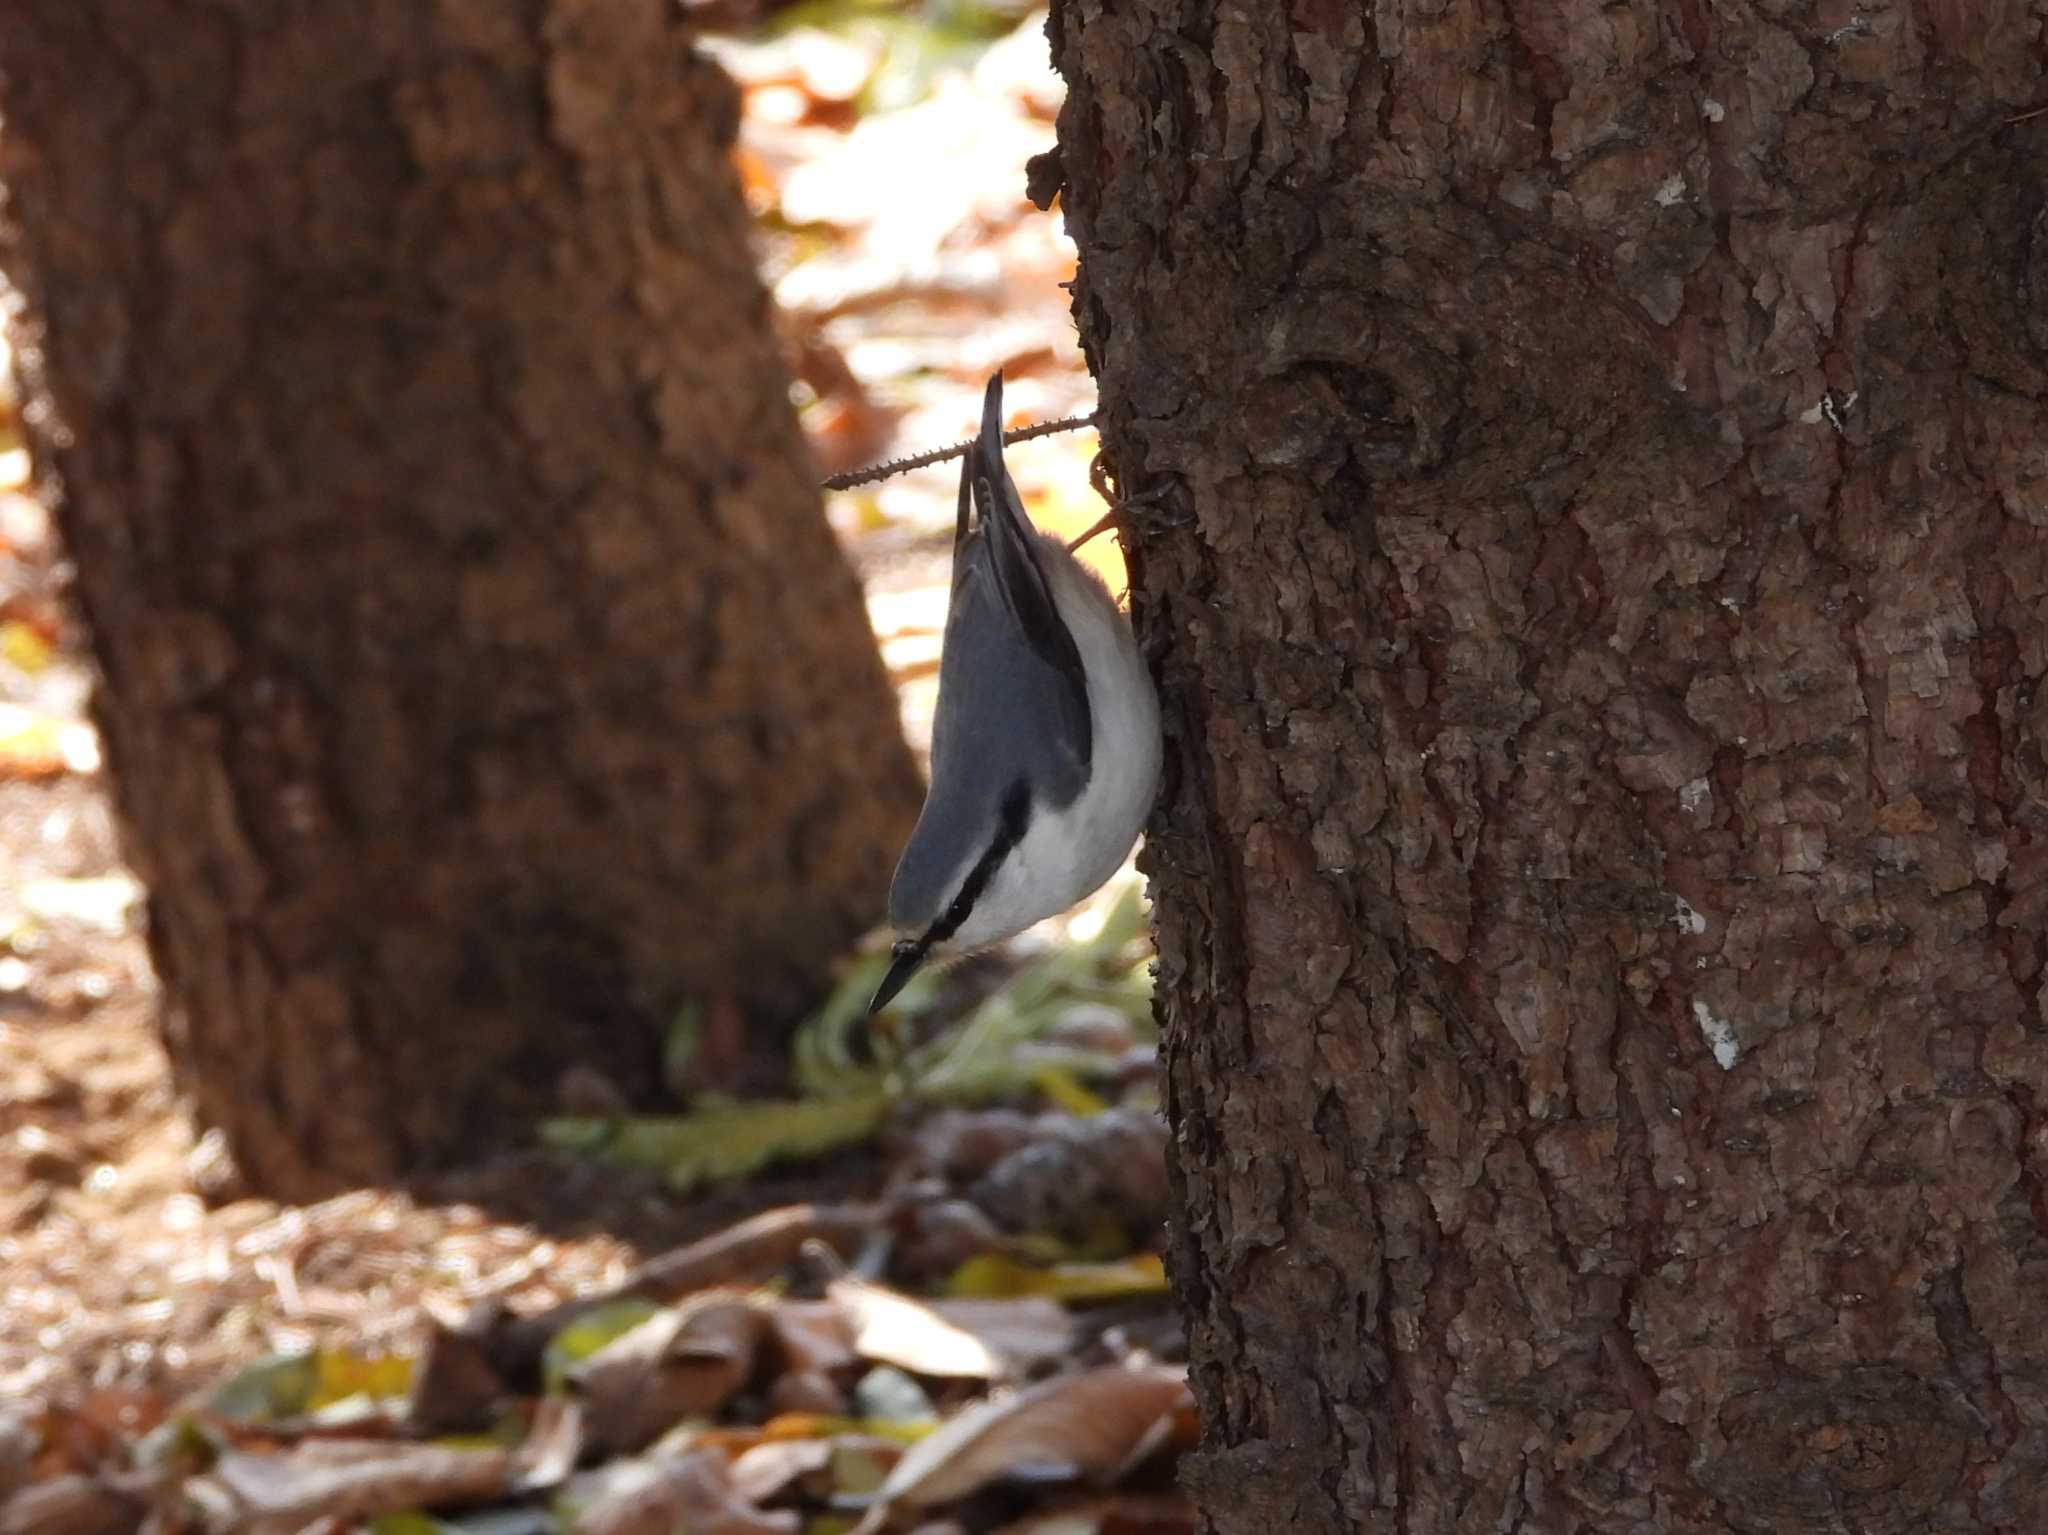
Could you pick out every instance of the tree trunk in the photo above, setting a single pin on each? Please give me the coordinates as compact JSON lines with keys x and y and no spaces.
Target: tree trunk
{"x":480,"y":677}
{"x":1602,"y":592}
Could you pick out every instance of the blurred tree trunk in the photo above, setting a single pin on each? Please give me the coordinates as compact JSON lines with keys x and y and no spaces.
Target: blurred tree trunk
{"x":1601,"y":883}
{"x":481,"y":679}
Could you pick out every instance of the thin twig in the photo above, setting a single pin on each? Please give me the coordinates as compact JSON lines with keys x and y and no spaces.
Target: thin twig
{"x":745,"y":1251}
{"x":857,"y":477}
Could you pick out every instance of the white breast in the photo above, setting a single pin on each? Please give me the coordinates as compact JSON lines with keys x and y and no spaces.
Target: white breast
{"x":1067,"y":854}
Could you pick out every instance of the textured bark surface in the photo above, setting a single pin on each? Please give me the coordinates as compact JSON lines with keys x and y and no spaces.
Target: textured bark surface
{"x":481,"y":678}
{"x":1602,"y":869}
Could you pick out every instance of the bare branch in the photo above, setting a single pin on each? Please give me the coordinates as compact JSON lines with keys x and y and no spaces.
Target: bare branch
{"x":857,"y":477}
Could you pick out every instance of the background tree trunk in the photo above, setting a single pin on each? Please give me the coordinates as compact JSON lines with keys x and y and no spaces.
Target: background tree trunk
{"x":1601,"y":878}
{"x":481,"y":678}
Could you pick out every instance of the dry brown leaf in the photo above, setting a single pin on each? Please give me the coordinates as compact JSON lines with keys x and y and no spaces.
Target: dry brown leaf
{"x":680,"y":1363}
{"x":729,"y":1442}
{"x":553,"y":1445}
{"x":895,"y":1329}
{"x":807,"y":1391}
{"x":18,"y":1443}
{"x":816,"y":1336}
{"x":684,"y":1492}
{"x":456,"y":1386}
{"x":1023,"y":1331}
{"x":1098,"y":1423}
{"x":767,"y":1469}
{"x":248,"y":1492}
{"x":71,"y":1505}
{"x":747,"y":1249}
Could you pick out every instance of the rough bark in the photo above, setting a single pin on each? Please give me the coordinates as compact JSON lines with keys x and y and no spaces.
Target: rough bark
{"x":480,"y":677}
{"x":1601,"y":593}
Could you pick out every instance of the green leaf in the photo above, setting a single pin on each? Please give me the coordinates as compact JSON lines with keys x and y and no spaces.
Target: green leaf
{"x":503,"y":1521}
{"x":180,"y":1445}
{"x":723,"y":1139}
{"x":821,"y":1056}
{"x":993,"y":1275}
{"x":334,"y":1384}
{"x":275,"y":1386}
{"x":412,"y":1522}
{"x":845,"y":1100}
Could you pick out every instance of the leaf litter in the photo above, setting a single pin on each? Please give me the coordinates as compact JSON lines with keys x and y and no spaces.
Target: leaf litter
{"x":960,"y":1317}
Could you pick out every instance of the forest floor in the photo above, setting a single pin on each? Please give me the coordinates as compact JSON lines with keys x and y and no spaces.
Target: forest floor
{"x":143,"y":1295}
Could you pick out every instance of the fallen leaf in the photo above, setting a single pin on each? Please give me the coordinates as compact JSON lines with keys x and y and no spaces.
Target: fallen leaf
{"x":764,"y":1471}
{"x":72,"y":1505}
{"x":723,"y":1140}
{"x":989,"y":1339}
{"x":590,"y":1332}
{"x":1102,"y":1240}
{"x":553,"y":1445}
{"x":748,"y":1250}
{"x":897,"y":1330}
{"x":992,"y":1274}
{"x":806,"y":1391}
{"x":660,"y":1496}
{"x":684,"y":1362}
{"x":861,"y":1463}
{"x":456,"y":1385}
{"x":1024,"y":1332}
{"x":329,"y":1387}
{"x":815,"y":1336}
{"x":1067,"y":1092}
{"x":1098,"y":1423}
{"x":345,"y":1376}
{"x":179,"y":1446}
{"x":806,"y":1425}
{"x":411,"y":1522}
{"x":532,"y":1520}
{"x":343,"y":1479}
{"x":20,"y":1439}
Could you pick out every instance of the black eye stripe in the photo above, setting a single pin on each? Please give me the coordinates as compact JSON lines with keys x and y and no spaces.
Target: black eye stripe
{"x":1016,"y":815}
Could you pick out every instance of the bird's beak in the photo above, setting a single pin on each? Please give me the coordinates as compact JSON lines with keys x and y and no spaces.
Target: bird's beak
{"x":909,"y":954}
{"x":991,"y":443}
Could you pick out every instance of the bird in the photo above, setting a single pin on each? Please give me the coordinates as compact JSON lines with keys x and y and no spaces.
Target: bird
{"x":1045,"y":739}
